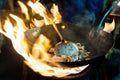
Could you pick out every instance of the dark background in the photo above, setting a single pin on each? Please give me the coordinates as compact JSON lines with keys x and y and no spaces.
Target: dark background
{"x":12,"y":66}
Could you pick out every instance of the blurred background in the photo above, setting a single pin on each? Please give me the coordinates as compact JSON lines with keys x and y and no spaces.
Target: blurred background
{"x":79,"y":12}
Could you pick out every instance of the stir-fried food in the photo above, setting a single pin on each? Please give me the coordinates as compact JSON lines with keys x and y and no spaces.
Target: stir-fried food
{"x":69,"y":52}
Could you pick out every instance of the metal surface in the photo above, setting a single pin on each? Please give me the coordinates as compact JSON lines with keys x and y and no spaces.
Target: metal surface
{"x":97,"y":46}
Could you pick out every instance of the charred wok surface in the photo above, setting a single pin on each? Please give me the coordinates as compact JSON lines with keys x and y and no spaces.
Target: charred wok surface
{"x":97,"y":46}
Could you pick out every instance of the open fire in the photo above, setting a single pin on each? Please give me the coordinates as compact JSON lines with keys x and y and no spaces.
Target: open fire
{"x":36,"y":55}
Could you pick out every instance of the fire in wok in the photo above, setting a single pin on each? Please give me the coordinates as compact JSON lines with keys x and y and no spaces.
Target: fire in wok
{"x":43,"y":41}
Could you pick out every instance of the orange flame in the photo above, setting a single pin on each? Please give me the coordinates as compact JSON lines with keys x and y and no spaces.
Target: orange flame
{"x":37,"y":57}
{"x":109,"y":27}
{"x":41,"y":47}
{"x":24,"y":9}
{"x":56,"y":14}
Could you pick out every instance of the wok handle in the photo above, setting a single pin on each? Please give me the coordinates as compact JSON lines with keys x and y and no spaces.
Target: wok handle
{"x":109,"y":9}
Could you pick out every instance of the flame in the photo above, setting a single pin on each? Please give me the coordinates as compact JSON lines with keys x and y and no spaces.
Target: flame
{"x":42,"y":11}
{"x":24,"y":9}
{"x":38,"y":23}
{"x":109,"y":27}
{"x":40,"y":48}
{"x":37,"y":56}
{"x":118,"y":3}
{"x":39,"y":9}
{"x":56,"y":15}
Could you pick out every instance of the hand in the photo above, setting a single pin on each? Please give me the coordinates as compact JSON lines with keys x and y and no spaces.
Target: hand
{"x":109,"y":27}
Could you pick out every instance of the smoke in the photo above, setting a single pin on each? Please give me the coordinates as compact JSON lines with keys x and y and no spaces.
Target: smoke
{"x":77,"y":13}
{"x":86,"y":19}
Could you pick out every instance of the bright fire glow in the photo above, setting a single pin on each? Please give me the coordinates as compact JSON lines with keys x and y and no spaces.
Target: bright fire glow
{"x":38,"y":23}
{"x":56,"y":14}
{"x":37,"y":57}
{"x":24,"y":9}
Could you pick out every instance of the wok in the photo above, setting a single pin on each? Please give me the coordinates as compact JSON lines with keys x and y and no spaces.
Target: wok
{"x":78,"y":35}
{"x":97,"y":46}
{"x":71,"y":33}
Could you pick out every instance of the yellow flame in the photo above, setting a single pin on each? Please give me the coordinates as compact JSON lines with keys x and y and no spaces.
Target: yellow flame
{"x":8,"y":28}
{"x":37,"y":57}
{"x":38,"y":23}
{"x":24,"y":9}
{"x":56,"y":14}
{"x":109,"y":27}
{"x":38,"y":8}
{"x":40,"y":48}
{"x":20,"y":23}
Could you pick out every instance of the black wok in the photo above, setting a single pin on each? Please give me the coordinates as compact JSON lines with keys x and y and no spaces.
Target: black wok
{"x":97,"y":46}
